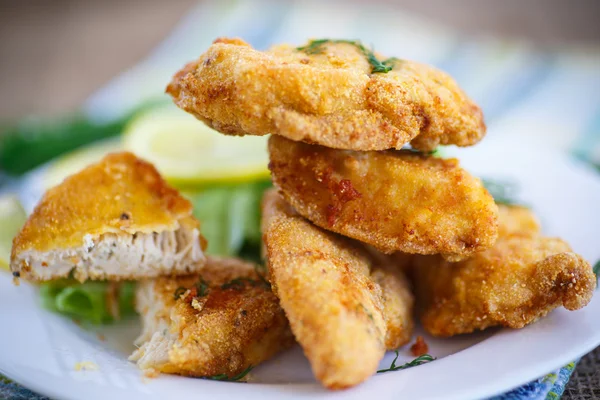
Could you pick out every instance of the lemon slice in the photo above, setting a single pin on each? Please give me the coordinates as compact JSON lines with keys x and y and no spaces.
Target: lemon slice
{"x":78,"y":159}
{"x":12,"y":218}
{"x":186,"y":151}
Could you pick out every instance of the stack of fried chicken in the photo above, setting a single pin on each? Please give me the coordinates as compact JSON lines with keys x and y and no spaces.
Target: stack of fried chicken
{"x":359,"y":229}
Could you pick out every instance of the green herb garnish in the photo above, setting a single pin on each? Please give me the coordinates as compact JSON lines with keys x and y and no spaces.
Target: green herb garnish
{"x":367,"y":312}
{"x":226,"y":378}
{"x":179,"y":292}
{"x":201,"y":288}
{"x":502,"y":192}
{"x":425,"y":358}
{"x":316,"y":47}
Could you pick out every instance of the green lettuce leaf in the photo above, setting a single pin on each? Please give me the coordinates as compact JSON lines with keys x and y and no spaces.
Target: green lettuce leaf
{"x":230,"y":221}
{"x":230,"y":218}
{"x":89,"y":301}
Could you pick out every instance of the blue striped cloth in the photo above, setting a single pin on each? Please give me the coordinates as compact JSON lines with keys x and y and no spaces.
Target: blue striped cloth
{"x":539,"y":97}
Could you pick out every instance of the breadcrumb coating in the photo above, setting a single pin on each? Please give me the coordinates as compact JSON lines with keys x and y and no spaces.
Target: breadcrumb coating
{"x":330,"y":97}
{"x":392,"y":200}
{"x":513,"y":284}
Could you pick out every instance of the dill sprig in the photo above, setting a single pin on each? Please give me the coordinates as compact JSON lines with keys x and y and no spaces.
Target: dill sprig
{"x":179,"y":292}
{"x":391,"y":61}
{"x":502,"y":192}
{"x":202,"y":288}
{"x":425,"y":358}
{"x":226,"y":378}
{"x":316,"y":47}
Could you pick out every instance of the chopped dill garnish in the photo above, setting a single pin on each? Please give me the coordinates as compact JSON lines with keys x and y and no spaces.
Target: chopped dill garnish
{"x":179,"y":292}
{"x":316,"y":47}
{"x":425,"y":358}
{"x":226,"y":378}
{"x":367,"y":312}
{"x":202,"y":287}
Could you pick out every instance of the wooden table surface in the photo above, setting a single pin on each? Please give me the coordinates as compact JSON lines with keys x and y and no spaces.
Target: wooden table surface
{"x":55,"y":53}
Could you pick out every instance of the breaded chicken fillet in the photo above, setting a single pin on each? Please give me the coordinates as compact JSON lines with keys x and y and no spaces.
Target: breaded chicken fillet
{"x":330,"y":92}
{"x":221,"y":321}
{"x":117,"y":219}
{"x":516,"y":282}
{"x":392,"y":200}
{"x":345,"y":308}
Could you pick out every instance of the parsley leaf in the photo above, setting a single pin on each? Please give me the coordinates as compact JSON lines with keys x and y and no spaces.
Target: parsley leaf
{"x":316,"y":47}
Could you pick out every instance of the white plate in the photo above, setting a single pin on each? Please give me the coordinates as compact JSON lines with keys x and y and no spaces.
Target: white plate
{"x":40,"y":350}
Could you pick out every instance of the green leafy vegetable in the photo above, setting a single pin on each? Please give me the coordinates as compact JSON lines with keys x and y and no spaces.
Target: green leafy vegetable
{"x":89,"y":301}
{"x":502,"y":192}
{"x":230,"y":218}
{"x":34,"y":141}
{"x":317,"y":46}
{"x":425,"y":358}
{"x":225,"y":377}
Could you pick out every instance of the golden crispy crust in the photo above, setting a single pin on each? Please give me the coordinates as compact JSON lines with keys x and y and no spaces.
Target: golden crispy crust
{"x":121,"y":194}
{"x":342,"y":305}
{"x":522,"y":278}
{"x":394,"y":200}
{"x":228,"y":329}
{"x":330,"y":98}
{"x":517,"y":220}
{"x":397,"y":301}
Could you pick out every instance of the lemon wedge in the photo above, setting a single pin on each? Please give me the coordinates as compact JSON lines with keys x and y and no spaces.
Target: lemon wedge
{"x":77,"y":160}
{"x":12,"y":218}
{"x":186,"y":151}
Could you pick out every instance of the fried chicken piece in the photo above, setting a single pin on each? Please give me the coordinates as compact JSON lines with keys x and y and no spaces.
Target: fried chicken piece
{"x":398,"y":302}
{"x":516,"y":282}
{"x":517,"y":220}
{"x":327,"y":94}
{"x":117,"y":219}
{"x":394,"y":200}
{"x":344,"y":306}
{"x":221,"y":321}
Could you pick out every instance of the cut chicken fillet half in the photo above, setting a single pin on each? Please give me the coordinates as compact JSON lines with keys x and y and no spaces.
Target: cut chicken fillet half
{"x":118,"y":256}
{"x":117,"y":219}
